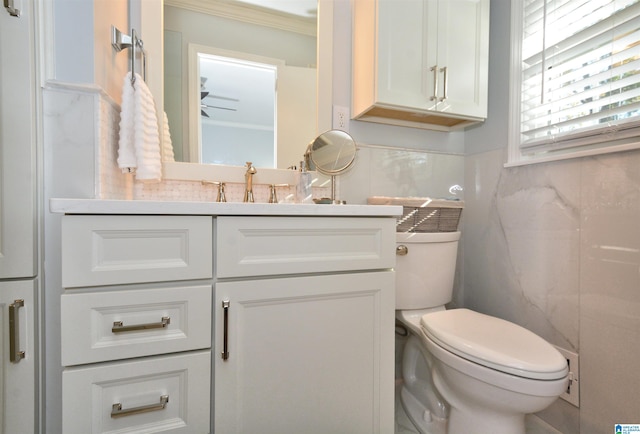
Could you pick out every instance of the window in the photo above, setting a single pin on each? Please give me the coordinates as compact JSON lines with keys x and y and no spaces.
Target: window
{"x":577,"y":65}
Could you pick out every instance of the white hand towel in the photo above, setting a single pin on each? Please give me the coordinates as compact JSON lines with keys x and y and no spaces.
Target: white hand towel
{"x":139,"y":134}
{"x":167,"y":147}
{"x":147,"y":135}
{"x":126,"y":148}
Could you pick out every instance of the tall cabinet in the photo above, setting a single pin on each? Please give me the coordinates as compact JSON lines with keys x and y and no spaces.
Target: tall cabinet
{"x":18,"y":235}
{"x":421,"y":63}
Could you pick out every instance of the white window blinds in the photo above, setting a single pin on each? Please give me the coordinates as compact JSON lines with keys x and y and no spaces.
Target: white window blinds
{"x":580,"y":82}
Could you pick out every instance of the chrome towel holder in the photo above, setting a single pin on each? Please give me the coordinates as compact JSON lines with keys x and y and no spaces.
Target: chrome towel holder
{"x":120,"y":41}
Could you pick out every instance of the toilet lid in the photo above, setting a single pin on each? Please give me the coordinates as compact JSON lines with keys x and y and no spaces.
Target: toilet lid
{"x":494,"y":343}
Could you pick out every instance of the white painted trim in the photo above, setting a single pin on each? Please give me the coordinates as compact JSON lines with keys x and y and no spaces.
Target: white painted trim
{"x":324,"y":96}
{"x":513,"y":148}
{"x":176,"y":170}
{"x":225,"y":173}
{"x":575,"y":154}
{"x":46,"y":52}
{"x":225,"y":9}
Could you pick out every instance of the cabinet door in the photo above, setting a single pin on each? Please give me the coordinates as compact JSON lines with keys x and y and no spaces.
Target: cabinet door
{"x":17,"y":144}
{"x":463,"y":56}
{"x":17,"y":373}
{"x":407,"y":53}
{"x":305,"y":354}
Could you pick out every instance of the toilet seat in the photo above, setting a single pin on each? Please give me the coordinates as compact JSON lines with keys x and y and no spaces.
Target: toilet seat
{"x":494,"y":343}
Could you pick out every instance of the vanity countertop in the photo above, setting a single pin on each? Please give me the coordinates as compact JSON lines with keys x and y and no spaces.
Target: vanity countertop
{"x":99,"y":206}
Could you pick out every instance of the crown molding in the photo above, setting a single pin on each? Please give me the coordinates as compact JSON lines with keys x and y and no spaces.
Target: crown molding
{"x":248,"y":14}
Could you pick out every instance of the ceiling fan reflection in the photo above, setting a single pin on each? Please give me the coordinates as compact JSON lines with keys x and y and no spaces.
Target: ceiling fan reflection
{"x":203,"y":106}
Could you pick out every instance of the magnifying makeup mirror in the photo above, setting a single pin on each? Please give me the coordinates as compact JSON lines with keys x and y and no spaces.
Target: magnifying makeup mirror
{"x":332,"y":153}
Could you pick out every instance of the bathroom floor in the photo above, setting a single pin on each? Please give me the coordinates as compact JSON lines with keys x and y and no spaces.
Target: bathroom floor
{"x":534,"y":425}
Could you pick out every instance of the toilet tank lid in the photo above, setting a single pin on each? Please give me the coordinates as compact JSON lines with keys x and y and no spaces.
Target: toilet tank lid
{"x":418,"y":202}
{"x":494,"y":343}
{"x":427,"y":237}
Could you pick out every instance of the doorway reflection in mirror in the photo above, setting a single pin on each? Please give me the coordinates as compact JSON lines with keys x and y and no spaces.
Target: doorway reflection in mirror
{"x":237,"y":111}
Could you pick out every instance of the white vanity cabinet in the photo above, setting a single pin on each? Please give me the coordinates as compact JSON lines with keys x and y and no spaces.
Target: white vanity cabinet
{"x":304,"y":315}
{"x":136,"y":323}
{"x":420,"y":63}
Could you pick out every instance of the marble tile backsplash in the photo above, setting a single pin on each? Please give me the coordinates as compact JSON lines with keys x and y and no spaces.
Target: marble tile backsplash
{"x":385,"y":171}
{"x":556,"y":248}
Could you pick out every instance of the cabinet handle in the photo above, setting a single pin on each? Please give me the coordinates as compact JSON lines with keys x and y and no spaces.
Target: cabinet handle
{"x":225,"y":332}
{"x":117,"y":411}
{"x":118,"y":327}
{"x":434,"y":69}
{"x":8,"y":4}
{"x":444,"y":70}
{"x":15,"y":354}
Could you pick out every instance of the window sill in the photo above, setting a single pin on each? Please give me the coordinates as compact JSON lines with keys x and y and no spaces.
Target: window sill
{"x":517,"y":159}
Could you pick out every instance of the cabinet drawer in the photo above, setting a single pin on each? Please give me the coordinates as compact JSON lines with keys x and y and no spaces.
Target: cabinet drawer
{"x":262,"y":246}
{"x":89,"y":395}
{"x":106,"y":250}
{"x":152,"y":321}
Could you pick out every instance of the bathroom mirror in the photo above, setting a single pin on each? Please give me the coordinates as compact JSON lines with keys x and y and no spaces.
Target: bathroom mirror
{"x":224,"y":27}
{"x":332,"y":153}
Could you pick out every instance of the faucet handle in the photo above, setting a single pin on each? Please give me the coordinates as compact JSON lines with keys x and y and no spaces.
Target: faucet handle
{"x":250,"y":169}
{"x":220,"y":196}
{"x":273,"y":197}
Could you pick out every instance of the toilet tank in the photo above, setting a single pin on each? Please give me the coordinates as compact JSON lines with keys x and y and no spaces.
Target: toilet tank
{"x":424,"y":275}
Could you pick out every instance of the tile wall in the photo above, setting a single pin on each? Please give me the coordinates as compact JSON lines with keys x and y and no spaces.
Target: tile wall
{"x":556,"y":248}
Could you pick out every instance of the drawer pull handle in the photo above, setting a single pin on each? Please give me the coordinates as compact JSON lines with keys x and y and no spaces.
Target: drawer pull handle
{"x":15,"y":354}
{"x":117,"y":411}
{"x":225,"y":335}
{"x":118,"y":327}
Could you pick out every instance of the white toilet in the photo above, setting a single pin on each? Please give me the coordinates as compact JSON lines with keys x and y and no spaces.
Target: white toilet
{"x":465,"y":372}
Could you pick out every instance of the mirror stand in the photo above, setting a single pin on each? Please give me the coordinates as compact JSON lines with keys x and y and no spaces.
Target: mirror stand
{"x":331,"y":154}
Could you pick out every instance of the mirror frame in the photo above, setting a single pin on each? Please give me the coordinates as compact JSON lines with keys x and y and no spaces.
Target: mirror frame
{"x":197,"y":171}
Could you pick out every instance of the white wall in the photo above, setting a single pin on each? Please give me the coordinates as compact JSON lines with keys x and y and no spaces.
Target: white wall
{"x":83,"y":51}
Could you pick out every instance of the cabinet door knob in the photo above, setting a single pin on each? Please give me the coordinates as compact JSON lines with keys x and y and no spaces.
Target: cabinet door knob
{"x":402,"y":250}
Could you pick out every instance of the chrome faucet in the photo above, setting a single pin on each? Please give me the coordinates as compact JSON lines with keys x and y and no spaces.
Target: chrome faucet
{"x":248,"y":180}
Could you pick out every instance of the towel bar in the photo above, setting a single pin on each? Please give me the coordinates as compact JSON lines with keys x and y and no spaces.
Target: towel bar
{"x":120,"y":41}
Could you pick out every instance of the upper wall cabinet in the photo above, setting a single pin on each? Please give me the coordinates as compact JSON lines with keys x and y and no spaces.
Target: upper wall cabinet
{"x":421,"y":63}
